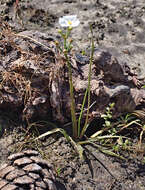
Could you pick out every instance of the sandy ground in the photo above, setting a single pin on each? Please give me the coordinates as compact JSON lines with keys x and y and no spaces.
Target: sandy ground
{"x":118,"y":25}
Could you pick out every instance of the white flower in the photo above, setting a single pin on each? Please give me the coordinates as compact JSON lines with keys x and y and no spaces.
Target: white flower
{"x":69,"y":21}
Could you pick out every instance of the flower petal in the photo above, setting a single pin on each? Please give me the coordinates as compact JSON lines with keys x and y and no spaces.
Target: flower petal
{"x":69,"y":20}
{"x":70,"y":17}
{"x":63,"y":22}
{"x":76,"y":23}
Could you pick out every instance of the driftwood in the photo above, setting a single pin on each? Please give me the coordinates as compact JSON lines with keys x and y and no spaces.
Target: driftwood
{"x":34,"y":79}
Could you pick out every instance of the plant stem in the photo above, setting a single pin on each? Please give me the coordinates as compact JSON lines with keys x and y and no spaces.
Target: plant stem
{"x":89,"y":81}
{"x":81,"y":113}
{"x":73,"y":116}
{"x":73,"y":111}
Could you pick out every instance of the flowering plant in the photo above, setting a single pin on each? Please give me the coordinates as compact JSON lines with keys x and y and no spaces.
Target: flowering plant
{"x":69,"y":21}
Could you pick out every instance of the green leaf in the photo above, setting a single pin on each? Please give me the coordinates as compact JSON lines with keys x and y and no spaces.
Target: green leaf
{"x":107,"y":123}
{"x":79,"y":149}
{"x":112,"y":105}
{"x":48,"y":133}
{"x":110,"y":153}
{"x":103,"y":115}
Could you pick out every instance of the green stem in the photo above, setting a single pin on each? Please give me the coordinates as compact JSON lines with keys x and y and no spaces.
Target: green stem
{"x":73,"y":111}
{"x":73,"y":116}
{"x":89,"y":81}
{"x":81,"y":113}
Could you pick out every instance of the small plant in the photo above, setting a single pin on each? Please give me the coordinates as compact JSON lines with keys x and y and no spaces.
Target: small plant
{"x":69,"y":22}
{"x":79,"y":131}
{"x":109,"y":138}
{"x":58,"y":171}
{"x":108,"y":115}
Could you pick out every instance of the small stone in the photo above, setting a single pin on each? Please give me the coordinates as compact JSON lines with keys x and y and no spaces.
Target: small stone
{"x":32,"y":168}
{"x":23,"y":180}
{"x":41,"y":184}
{"x":2,"y":183}
{"x":22,"y":161}
{"x":9,"y":187}
{"x":15,"y":156}
{"x":15,"y":174}
{"x":5,"y":171}
{"x":34,"y":176}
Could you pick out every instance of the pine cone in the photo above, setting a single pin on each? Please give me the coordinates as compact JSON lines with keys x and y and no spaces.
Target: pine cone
{"x":27,"y":171}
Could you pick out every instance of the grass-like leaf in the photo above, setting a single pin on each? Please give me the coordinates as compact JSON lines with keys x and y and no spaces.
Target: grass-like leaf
{"x":79,"y":149}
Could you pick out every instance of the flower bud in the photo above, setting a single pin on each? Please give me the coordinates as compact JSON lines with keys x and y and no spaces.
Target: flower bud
{"x":56,"y":43}
{"x":64,"y":51}
{"x":70,"y":28}
{"x":60,"y":31}
{"x":70,"y":41}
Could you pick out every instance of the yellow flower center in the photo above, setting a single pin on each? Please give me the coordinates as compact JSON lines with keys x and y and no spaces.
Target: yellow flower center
{"x":69,"y":22}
